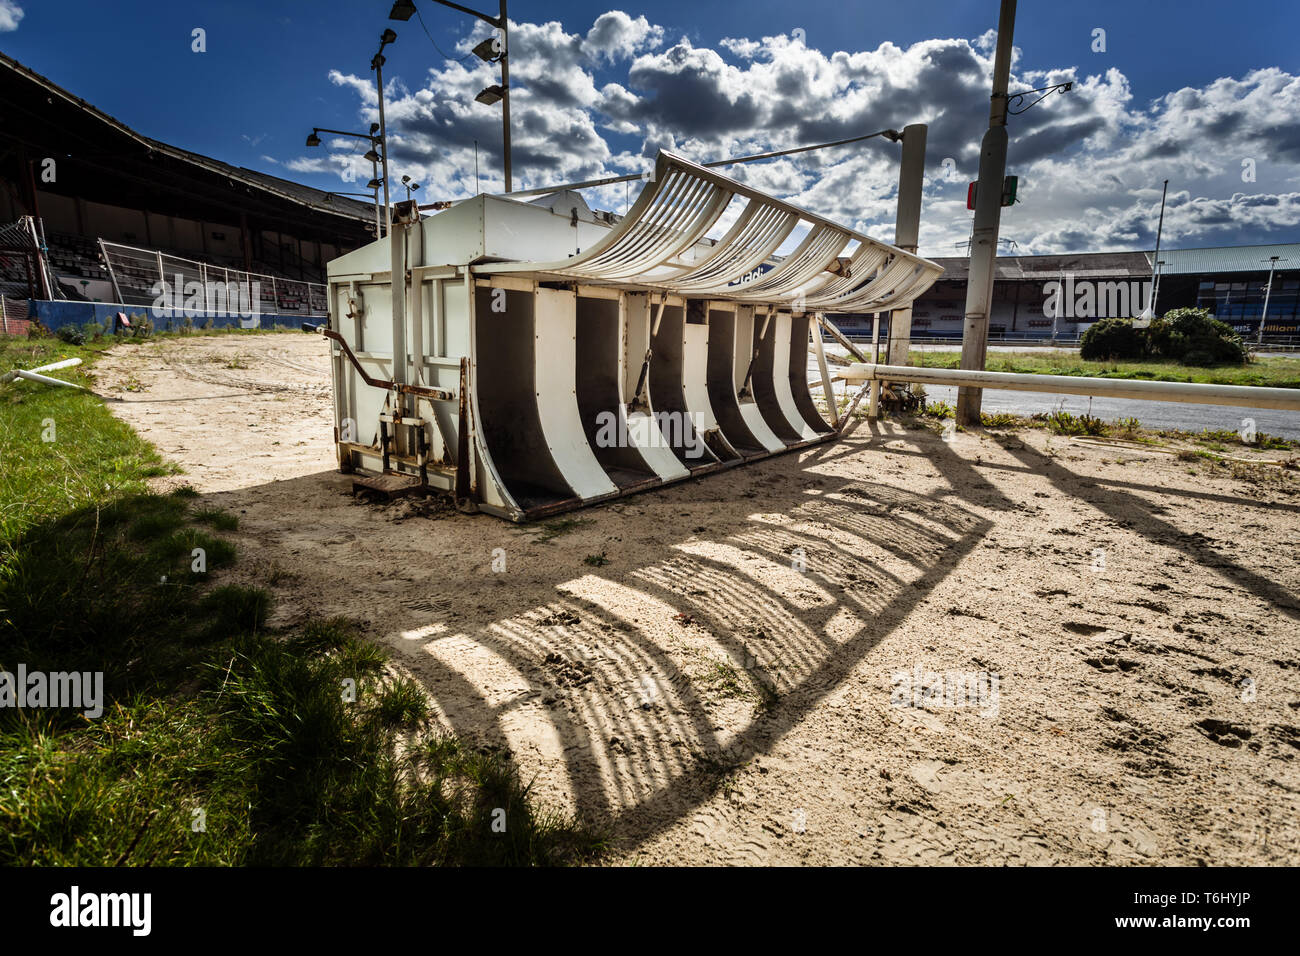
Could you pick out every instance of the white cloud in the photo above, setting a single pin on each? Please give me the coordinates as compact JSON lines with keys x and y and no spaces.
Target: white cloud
{"x":615,"y":35}
{"x":1090,"y":161}
{"x":10,"y":14}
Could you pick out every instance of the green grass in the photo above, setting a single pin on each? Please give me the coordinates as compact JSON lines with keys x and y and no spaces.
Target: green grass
{"x":93,"y":459}
{"x":1274,"y":372}
{"x":223,"y":741}
{"x":553,"y":529}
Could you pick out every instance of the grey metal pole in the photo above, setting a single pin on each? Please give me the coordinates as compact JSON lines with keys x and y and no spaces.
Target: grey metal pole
{"x":1268,"y":291}
{"x":988,"y":213}
{"x":383,"y":136}
{"x":397,"y":240}
{"x":907,"y":227}
{"x":1155,"y":258}
{"x":505,"y":94}
{"x":374,"y":174}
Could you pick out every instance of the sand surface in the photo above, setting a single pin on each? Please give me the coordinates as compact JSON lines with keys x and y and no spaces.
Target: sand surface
{"x":735,"y":670}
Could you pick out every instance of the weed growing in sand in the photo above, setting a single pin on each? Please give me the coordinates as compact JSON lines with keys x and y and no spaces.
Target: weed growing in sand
{"x":218,"y":518}
{"x":551,"y":530}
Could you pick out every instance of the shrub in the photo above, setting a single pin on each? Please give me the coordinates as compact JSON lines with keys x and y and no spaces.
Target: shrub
{"x":1111,"y":339}
{"x":71,"y":334}
{"x":1194,"y":337}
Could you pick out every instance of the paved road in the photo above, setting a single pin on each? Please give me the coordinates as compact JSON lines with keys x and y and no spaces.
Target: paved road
{"x":1150,"y":414}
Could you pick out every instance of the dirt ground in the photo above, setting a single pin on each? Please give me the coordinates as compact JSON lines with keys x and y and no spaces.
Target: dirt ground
{"x":735,"y":670}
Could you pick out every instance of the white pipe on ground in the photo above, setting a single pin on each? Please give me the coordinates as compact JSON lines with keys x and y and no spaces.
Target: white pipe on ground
{"x":46,"y":380}
{"x":66,"y":363}
{"x":1249,"y":396}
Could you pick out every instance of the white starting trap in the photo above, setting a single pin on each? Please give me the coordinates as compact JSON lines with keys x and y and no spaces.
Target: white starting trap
{"x":552,"y":357}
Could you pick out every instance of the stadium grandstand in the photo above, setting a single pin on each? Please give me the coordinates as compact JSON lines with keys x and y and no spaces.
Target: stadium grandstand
{"x":92,"y":213}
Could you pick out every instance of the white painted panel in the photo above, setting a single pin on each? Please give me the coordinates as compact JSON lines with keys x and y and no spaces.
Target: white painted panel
{"x":781,"y":378}
{"x":555,"y":361}
{"x":695,"y":370}
{"x":754,"y":419}
{"x":644,"y":435}
{"x":642,"y":429}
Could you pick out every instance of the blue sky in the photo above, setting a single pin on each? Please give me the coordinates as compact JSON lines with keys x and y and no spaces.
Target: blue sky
{"x":1184,"y":90}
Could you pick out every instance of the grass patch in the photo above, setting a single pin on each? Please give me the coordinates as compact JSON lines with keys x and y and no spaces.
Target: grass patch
{"x":596,"y":560}
{"x":221,"y":742}
{"x":1276,"y":372}
{"x":218,"y":518}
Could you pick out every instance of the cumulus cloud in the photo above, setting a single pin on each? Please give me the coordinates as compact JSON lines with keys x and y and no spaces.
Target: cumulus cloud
{"x":615,"y":35}
{"x":10,"y":15}
{"x":602,"y":101}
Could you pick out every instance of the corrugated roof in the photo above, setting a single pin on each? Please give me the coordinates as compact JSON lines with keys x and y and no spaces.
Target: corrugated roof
{"x":1099,"y":264}
{"x":1078,"y":264}
{"x":1229,"y":259}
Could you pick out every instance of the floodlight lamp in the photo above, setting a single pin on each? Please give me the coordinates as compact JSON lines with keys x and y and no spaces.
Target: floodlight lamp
{"x":489,"y":49}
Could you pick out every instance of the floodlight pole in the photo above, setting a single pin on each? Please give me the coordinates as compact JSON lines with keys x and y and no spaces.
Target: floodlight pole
{"x":1268,"y":291}
{"x":988,"y":212}
{"x":502,"y":23}
{"x":378,"y":64}
{"x":505,"y":94}
{"x":374,"y":167}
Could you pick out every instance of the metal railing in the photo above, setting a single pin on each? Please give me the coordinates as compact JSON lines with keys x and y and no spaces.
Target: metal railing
{"x":141,"y":276}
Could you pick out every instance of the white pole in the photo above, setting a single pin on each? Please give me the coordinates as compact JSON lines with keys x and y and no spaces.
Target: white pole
{"x":1268,"y":291}
{"x":1248,"y":396}
{"x":988,"y":214}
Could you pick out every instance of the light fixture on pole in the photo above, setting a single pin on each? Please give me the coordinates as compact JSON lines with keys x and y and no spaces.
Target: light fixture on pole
{"x":492,"y":50}
{"x":410,"y":186}
{"x":377,"y":64}
{"x":313,"y":139}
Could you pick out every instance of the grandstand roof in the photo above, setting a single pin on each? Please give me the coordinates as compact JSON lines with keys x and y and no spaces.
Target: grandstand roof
{"x":1132,"y":264}
{"x":129,"y":168}
{"x":1229,"y":259}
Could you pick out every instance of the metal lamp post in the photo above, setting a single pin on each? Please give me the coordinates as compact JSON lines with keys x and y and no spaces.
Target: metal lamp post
{"x":314,"y":140}
{"x":377,"y":64}
{"x":488,"y":51}
{"x":1268,"y":291}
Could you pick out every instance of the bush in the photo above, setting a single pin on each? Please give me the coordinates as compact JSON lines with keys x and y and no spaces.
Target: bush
{"x":1194,"y":337}
{"x":1111,"y":339}
{"x":71,"y":334}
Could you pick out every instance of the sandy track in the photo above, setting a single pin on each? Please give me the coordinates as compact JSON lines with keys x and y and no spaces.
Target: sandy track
{"x":716,"y":704}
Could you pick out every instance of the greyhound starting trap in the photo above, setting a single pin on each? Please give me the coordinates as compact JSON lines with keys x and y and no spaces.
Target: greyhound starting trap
{"x":549,"y":356}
